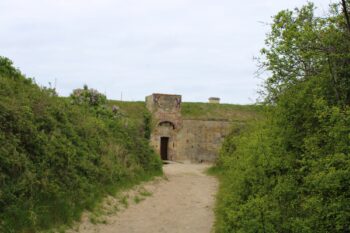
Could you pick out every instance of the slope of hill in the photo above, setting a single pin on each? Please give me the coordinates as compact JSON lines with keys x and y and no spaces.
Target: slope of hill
{"x":231,"y":112}
{"x":135,"y":110}
{"x":59,"y":157}
{"x":196,"y":111}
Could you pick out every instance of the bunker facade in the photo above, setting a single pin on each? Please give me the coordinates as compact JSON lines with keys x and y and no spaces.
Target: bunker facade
{"x":179,"y":139}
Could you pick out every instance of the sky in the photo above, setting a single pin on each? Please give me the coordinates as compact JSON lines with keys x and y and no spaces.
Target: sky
{"x":128,"y":49}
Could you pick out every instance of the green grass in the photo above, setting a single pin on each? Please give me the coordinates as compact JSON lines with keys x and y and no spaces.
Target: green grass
{"x":124,"y":201}
{"x":145,"y":193}
{"x":135,"y":110}
{"x":138,"y":199}
{"x":232,"y":112}
{"x":190,"y":110}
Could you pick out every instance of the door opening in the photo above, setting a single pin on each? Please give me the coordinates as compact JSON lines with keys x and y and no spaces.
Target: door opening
{"x":164,"y":143}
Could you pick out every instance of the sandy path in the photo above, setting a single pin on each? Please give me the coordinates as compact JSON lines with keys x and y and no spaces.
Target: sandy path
{"x":181,"y":203}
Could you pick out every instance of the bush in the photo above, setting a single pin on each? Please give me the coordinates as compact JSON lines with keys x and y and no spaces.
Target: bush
{"x":59,"y":158}
{"x":88,"y":96}
{"x":291,"y":171}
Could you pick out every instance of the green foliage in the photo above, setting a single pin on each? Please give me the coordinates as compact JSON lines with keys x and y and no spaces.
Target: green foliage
{"x":138,"y":199}
{"x":59,"y":158}
{"x":290,"y":172}
{"x":301,"y":46}
{"x":147,"y":119}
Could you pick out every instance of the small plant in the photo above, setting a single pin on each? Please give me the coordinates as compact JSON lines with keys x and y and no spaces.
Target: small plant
{"x":124,"y":201}
{"x":138,"y":199}
{"x":94,"y":219}
{"x":145,"y":193}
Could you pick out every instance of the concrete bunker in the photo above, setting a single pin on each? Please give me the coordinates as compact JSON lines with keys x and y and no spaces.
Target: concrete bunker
{"x":178,"y":139}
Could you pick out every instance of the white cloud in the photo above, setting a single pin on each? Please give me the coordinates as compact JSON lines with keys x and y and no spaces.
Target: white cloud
{"x":197,"y":48}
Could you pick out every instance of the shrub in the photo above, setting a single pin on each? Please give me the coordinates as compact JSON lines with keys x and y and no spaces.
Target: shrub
{"x":59,"y":158}
{"x":291,"y":171}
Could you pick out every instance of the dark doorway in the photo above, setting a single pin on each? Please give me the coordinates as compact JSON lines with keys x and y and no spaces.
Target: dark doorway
{"x":164,"y":141}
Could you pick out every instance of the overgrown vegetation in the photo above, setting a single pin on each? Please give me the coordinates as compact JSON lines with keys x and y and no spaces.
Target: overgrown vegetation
{"x":59,"y":156}
{"x":290,"y":172}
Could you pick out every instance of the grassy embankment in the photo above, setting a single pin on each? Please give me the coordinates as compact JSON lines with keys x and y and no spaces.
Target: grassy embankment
{"x":59,"y":157}
{"x":231,"y":112}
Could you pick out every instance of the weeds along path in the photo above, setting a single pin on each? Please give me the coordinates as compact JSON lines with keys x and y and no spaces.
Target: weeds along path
{"x":182,"y":202}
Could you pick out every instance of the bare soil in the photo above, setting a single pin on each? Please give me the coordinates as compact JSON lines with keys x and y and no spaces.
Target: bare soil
{"x":182,"y":202}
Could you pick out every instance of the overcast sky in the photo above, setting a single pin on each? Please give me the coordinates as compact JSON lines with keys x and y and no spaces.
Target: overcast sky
{"x":196,"y":48}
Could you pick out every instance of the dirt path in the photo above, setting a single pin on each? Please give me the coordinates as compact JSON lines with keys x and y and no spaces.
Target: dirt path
{"x":183,"y":202}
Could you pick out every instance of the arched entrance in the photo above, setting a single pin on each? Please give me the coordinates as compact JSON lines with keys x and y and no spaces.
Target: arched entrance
{"x":165,"y":131}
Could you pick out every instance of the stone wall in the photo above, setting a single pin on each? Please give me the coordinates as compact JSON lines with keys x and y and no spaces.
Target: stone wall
{"x":200,"y":141}
{"x":189,"y":140}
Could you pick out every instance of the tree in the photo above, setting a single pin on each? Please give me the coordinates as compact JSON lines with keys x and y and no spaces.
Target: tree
{"x":291,"y":172}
